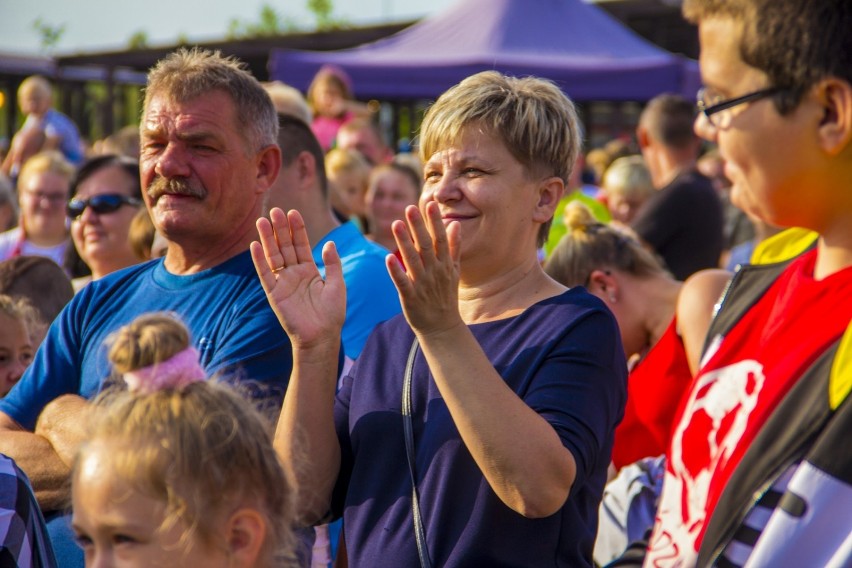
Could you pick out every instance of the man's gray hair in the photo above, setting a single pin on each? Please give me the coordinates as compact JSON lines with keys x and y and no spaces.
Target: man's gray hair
{"x":189,"y":73}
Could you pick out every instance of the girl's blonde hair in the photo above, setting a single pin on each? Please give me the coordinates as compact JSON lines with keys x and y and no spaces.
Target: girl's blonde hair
{"x":591,"y":245}
{"x":339,"y":160}
{"x":48,"y":161}
{"x":201,"y":448}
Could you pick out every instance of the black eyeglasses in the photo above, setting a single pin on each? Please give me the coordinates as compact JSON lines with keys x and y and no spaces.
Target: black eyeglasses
{"x":715,"y":108}
{"x":100,"y":204}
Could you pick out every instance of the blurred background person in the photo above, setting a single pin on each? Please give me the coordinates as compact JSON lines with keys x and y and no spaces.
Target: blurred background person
{"x":683,"y":220}
{"x":25,"y":144}
{"x":348,"y":178}
{"x":626,"y":187}
{"x":288,"y":100}
{"x":43,"y":284}
{"x":43,"y":187}
{"x":125,"y":142}
{"x":333,"y":104}
{"x":393,"y":187}
{"x":16,"y":345}
{"x":106,"y":195}
{"x":35,"y":98}
{"x":644,"y":297}
{"x":363,"y":135}
{"x":8,"y":204}
{"x":142,"y":234}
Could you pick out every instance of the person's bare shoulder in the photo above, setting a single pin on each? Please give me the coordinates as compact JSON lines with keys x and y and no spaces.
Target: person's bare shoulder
{"x":696,"y":307}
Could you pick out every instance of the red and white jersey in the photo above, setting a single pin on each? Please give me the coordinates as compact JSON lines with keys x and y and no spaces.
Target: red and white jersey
{"x":745,"y":375}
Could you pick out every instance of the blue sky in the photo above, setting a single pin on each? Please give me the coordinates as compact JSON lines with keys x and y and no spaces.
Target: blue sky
{"x":97,"y":25}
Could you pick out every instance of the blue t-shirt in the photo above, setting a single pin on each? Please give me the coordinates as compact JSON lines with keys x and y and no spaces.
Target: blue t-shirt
{"x":371,"y":297}
{"x":563,"y":357}
{"x":225,"y":309}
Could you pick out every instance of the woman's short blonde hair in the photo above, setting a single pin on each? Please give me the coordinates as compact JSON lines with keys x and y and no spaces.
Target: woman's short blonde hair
{"x":534,"y":119}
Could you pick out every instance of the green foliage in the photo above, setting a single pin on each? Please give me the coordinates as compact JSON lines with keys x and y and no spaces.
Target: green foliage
{"x":323,"y":11}
{"x":272,"y":23}
{"x":139,"y":40}
{"x":50,"y":35}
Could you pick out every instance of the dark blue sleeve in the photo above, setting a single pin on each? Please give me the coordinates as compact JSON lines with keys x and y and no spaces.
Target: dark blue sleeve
{"x":341,"y":425}
{"x":581,"y":389}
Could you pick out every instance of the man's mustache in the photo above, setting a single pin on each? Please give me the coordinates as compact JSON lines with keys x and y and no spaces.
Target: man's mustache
{"x":174,"y":186}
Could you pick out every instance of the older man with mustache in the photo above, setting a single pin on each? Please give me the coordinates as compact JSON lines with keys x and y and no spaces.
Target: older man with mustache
{"x":209,"y":154}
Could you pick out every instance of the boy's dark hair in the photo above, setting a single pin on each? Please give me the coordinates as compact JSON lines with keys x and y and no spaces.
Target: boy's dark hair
{"x":669,"y":120}
{"x":295,"y":137}
{"x":795,"y":42}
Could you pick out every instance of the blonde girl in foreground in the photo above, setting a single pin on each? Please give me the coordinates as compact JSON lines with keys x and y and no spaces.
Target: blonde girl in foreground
{"x":178,"y":471}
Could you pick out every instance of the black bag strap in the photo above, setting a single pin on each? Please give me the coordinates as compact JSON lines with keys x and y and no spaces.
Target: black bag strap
{"x":419,"y":533}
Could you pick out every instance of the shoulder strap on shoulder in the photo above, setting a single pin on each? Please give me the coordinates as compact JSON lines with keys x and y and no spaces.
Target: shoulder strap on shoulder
{"x":840,"y":381}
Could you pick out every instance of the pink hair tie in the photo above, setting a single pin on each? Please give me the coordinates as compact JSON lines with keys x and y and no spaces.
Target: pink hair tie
{"x":175,"y":372}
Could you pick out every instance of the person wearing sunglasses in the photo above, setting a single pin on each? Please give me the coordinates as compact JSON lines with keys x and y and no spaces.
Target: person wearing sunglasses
{"x":106,"y":194}
{"x":43,"y":187}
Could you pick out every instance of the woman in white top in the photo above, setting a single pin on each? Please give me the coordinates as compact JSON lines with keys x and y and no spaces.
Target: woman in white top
{"x":43,"y":186}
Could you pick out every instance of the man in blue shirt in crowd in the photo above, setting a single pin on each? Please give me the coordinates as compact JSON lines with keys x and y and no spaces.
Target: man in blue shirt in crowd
{"x":371,"y":297}
{"x":208,"y":157}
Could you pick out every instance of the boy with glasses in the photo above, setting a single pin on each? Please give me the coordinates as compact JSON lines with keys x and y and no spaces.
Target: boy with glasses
{"x":759,"y":468}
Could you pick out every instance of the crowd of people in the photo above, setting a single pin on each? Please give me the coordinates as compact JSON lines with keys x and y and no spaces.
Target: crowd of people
{"x":249,"y":333}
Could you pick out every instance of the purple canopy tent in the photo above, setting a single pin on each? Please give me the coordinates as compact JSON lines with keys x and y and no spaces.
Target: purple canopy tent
{"x":585,"y":51}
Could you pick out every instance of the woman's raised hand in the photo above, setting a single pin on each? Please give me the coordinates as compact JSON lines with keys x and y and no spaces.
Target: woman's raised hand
{"x":311,"y":310}
{"x":428,"y":286}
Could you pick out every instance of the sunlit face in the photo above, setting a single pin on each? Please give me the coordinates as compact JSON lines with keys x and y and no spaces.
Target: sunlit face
{"x":346,"y":193}
{"x":42,"y":197}
{"x":389,"y":194}
{"x":328,"y":99}
{"x":200,"y":144}
{"x":119,"y":526}
{"x":33,"y":101}
{"x":101,"y":238}
{"x":16,"y":351}
{"x":478,"y":183}
{"x":769,"y":158}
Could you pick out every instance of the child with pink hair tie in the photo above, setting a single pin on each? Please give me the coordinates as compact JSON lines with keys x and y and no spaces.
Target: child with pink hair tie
{"x":178,"y":470}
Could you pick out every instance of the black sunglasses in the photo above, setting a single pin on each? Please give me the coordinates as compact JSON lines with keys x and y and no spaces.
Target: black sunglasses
{"x":100,"y":204}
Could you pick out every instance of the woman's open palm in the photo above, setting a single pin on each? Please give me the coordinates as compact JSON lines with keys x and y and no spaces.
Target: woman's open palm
{"x":311,"y":310}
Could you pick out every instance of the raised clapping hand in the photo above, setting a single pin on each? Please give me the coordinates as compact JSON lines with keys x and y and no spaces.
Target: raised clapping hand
{"x":310,"y":309}
{"x":428,"y":287}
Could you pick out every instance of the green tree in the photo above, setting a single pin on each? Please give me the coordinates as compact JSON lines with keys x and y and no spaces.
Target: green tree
{"x":272,"y":23}
{"x":50,"y":35}
{"x":139,"y":40}
{"x":323,"y":11}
